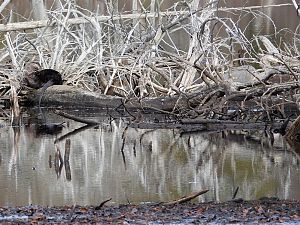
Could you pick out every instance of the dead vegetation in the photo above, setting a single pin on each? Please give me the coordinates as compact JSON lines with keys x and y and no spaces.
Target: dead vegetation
{"x":191,"y":52}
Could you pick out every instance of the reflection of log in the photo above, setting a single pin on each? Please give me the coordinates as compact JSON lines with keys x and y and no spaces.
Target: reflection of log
{"x":186,"y":199}
{"x":206,"y":125}
{"x":292,"y":135}
{"x":75,"y":118}
{"x":68,"y":171}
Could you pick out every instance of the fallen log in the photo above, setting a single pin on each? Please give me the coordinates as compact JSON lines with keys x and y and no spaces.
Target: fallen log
{"x":75,"y":118}
{"x":63,"y":95}
{"x":201,"y":104}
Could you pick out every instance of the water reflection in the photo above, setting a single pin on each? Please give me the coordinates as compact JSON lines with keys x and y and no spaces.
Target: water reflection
{"x":92,"y":164}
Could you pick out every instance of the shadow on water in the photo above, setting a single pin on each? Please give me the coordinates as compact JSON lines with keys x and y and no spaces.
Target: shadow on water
{"x":80,"y":164}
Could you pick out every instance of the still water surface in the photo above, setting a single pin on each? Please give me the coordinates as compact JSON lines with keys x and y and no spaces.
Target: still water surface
{"x":156,"y":165}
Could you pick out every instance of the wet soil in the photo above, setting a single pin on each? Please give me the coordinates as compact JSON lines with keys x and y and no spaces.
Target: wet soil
{"x":263,"y":211}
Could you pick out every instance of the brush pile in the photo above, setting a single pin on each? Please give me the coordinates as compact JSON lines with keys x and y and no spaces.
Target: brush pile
{"x":192,"y":53}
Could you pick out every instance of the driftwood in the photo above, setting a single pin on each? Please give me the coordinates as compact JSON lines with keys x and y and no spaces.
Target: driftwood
{"x":186,"y":198}
{"x":67,"y":96}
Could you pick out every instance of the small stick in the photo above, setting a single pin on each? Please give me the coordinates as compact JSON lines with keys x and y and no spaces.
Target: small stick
{"x":102,"y":204}
{"x":186,"y":199}
{"x":235,"y":192}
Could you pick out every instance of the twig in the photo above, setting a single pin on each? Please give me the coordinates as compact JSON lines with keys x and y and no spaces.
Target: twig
{"x":235,"y":192}
{"x":186,"y":199}
{"x":102,"y":204}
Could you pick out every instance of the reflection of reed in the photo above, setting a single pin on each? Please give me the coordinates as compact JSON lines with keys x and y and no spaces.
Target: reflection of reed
{"x":59,"y":162}
{"x":159,"y":165}
{"x":66,"y":159}
{"x":68,"y":171}
{"x":15,"y":147}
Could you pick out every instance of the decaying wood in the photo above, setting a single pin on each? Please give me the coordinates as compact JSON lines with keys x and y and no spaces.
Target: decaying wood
{"x":62,"y":95}
{"x":186,"y":199}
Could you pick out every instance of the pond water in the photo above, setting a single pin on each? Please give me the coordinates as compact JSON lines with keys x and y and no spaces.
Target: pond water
{"x":145,"y":166}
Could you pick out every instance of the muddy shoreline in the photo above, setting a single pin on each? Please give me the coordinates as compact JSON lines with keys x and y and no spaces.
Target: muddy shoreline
{"x":263,"y":211}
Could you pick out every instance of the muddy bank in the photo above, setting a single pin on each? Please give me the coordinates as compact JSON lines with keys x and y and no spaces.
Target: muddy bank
{"x":267,"y":210}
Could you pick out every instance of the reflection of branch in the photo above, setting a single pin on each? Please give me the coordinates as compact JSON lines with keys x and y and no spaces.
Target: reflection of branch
{"x":68,"y":171}
{"x":58,"y":162}
{"x":66,"y":159}
{"x":144,"y":134}
{"x":74,"y":132}
{"x":67,"y":150}
{"x":75,"y":118}
{"x":16,"y":131}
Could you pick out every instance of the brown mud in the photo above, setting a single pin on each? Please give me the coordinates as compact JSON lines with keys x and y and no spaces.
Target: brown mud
{"x":263,"y":211}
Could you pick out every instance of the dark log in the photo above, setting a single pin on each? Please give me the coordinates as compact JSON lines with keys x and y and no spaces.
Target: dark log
{"x":68,"y":96}
{"x":186,"y":199}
